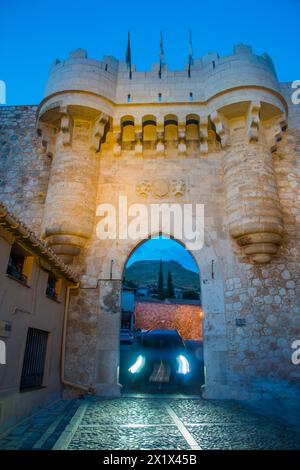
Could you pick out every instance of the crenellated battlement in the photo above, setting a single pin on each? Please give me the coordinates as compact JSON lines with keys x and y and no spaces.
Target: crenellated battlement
{"x":209,"y":76}
{"x":231,"y":105}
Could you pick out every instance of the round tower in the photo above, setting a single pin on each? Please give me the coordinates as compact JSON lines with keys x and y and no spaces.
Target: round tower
{"x":253,"y":207}
{"x":72,"y":120}
{"x":249,"y":132}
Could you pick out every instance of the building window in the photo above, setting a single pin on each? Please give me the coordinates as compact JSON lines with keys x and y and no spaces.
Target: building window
{"x":106,"y":67}
{"x":53,"y":287}
{"x":191,"y":96}
{"x":128,"y":98}
{"x":19,"y":264}
{"x":34,"y":359}
{"x":159,"y":97}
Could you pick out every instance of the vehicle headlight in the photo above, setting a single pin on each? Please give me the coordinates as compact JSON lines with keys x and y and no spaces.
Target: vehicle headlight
{"x":138,"y":365}
{"x":183,"y":365}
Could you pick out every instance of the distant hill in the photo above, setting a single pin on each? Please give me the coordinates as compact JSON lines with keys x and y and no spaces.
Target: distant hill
{"x":145,"y":273}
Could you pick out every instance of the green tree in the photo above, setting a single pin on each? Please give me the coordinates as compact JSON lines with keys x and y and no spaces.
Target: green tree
{"x":160,"y":287}
{"x":170,"y":288}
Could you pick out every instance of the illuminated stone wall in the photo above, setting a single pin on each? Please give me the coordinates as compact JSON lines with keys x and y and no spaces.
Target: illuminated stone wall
{"x":234,"y":148}
{"x":186,"y":319}
{"x":24,"y":166}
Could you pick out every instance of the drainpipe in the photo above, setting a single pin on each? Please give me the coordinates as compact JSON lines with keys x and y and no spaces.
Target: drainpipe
{"x":83,"y":388}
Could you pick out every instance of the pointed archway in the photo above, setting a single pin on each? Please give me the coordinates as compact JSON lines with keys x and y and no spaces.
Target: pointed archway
{"x":214,"y":325}
{"x":151,"y":302}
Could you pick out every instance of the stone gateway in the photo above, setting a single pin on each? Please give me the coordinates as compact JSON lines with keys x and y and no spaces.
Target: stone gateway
{"x":226,"y":135}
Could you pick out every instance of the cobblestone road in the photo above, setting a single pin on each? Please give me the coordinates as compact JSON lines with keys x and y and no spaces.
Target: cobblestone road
{"x":149,"y":423}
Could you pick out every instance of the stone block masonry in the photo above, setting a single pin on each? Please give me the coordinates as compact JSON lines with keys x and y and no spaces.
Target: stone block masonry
{"x":24,"y":168}
{"x":186,"y":319}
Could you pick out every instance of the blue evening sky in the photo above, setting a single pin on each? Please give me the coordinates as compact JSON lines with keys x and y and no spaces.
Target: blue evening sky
{"x":33,"y":33}
{"x":165,"y":249}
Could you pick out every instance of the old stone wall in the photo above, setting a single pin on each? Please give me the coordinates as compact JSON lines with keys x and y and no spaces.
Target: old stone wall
{"x":262,"y":308}
{"x":267,"y":298}
{"x":123,"y":176}
{"x":187,"y":319}
{"x":24,"y":166}
{"x":82,"y":336}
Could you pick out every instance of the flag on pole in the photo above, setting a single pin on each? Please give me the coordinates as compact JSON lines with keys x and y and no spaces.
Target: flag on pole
{"x":161,"y":55}
{"x":128,"y":56}
{"x":191,"y":61}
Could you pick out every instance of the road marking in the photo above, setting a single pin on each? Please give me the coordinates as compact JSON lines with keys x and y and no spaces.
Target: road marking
{"x":117,"y":425}
{"x":186,"y":434}
{"x":67,"y":435}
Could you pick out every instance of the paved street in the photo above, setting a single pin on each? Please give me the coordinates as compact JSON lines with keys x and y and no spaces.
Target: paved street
{"x":148,"y":423}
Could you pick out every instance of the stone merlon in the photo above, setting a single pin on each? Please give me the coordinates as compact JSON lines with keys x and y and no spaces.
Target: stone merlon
{"x":210,"y":76}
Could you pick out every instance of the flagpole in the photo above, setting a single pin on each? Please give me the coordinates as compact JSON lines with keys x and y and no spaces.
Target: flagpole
{"x":161,"y":55}
{"x":190,"y":54}
{"x":128,"y":56}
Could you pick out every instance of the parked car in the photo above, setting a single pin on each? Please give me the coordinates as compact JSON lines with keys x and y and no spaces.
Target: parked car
{"x":161,"y":358}
{"x":126,"y":336}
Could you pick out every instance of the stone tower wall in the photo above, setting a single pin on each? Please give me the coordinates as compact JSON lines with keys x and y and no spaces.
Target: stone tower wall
{"x":24,"y":168}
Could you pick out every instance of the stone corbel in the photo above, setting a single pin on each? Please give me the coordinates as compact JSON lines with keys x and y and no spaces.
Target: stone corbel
{"x":66,"y":126}
{"x":47,"y":138}
{"x":160,"y":144}
{"x":138,"y":130}
{"x":253,"y":121}
{"x":274,"y":132}
{"x":181,"y":138}
{"x":117,"y":135}
{"x":221,"y":128}
{"x":98,"y":131}
{"x":203,"y":132}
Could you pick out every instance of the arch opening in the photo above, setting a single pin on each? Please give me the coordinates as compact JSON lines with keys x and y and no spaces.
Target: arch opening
{"x":128,"y":132}
{"x":171,"y":131}
{"x":161,"y":338}
{"x":149,"y":127}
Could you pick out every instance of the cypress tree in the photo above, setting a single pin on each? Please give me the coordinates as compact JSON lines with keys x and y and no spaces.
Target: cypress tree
{"x":160,"y":288}
{"x":170,"y":288}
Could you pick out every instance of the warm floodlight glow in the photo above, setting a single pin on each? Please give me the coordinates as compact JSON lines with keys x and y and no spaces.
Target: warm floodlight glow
{"x":183,"y":365}
{"x":138,"y":365}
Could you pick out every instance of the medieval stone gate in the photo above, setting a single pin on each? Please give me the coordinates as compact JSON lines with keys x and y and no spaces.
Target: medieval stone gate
{"x":226,"y":136}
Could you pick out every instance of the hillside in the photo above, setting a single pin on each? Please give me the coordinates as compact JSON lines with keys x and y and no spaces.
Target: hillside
{"x":145,"y":273}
